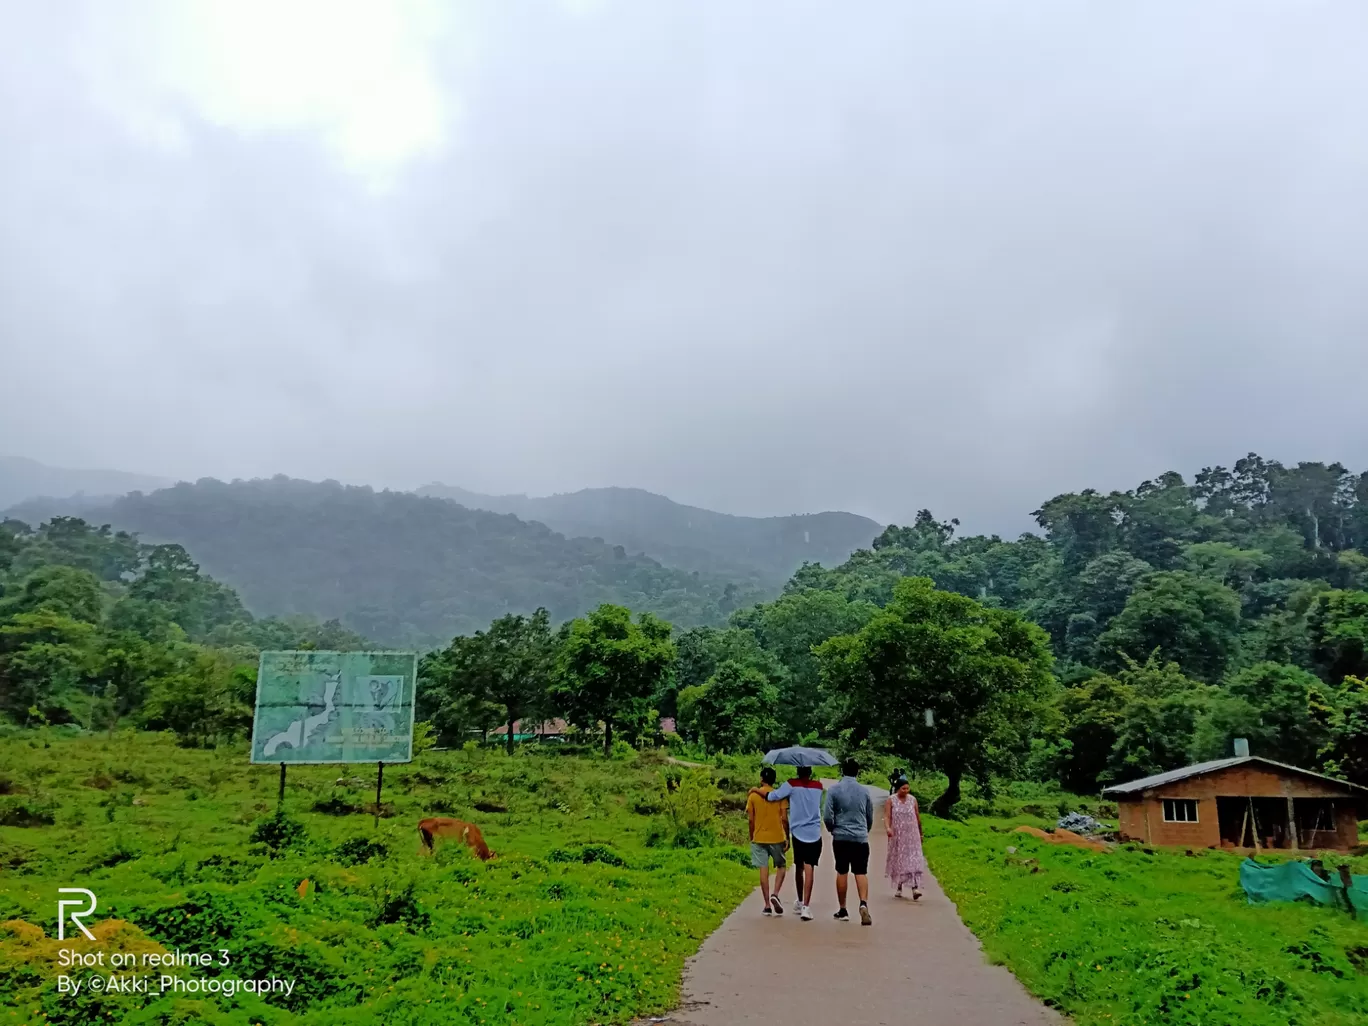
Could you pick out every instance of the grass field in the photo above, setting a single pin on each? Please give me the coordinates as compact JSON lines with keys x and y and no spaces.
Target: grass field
{"x":586,"y":915}
{"x":1129,"y":937}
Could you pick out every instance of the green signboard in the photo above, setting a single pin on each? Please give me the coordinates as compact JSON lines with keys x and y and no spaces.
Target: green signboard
{"x":334,"y":707}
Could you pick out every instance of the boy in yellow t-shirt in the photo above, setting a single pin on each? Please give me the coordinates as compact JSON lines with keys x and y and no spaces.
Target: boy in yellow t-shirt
{"x":769,"y":837}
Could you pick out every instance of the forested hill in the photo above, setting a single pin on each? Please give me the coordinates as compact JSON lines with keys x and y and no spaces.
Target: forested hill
{"x":401,"y":568}
{"x":1215,"y":574}
{"x":764,"y":550}
{"x":23,"y":479}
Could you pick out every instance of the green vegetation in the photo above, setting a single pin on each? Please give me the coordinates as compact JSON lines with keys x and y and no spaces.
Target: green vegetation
{"x":1143,"y":631}
{"x":402,"y":569}
{"x":763,"y":551}
{"x":1137,"y":936}
{"x":586,"y":914}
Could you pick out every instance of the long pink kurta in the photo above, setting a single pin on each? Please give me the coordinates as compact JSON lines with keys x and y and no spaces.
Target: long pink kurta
{"x":905,"y":863}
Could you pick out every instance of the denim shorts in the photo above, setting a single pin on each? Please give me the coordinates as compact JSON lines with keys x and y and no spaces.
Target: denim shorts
{"x":762,"y":853}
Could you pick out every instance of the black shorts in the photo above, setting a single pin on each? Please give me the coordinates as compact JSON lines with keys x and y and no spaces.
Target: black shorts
{"x":851,"y":857}
{"x":807,"y":853}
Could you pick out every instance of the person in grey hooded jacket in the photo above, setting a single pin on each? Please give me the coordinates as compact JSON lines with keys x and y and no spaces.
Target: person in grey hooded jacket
{"x":849,"y":815}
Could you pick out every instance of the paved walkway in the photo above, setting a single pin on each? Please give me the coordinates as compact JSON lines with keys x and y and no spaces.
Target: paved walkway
{"x":917,"y":964}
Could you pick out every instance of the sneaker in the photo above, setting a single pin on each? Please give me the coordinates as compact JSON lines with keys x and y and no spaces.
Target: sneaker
{"x":806,"y":913}
{"x":841,"y":916}
{"x":776,"y":904}
{"x":864,"y":916}
{"x":767,"y":911}
{"x":797,"y":908}
{"x":916,"y":894}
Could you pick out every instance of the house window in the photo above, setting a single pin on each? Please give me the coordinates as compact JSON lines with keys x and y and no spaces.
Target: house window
{"x":1180,"y":810}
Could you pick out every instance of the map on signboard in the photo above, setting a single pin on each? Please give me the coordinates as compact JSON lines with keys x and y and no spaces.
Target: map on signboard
{"x":334,"y":707}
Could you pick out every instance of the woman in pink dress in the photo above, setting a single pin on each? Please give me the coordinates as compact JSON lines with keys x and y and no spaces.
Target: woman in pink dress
{"x":902,"y":820}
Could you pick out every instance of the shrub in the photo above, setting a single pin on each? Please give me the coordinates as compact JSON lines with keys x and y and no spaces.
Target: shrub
{"x":397,"y":905}
{"x":29,"y":811}
{"x":279,"y":833}
{"x":588,"y":855}
{"x":358,"y":851}
{"x":690,"y":800}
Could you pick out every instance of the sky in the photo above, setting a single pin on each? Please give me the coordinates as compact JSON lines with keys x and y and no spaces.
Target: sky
{"x":759,"y":257}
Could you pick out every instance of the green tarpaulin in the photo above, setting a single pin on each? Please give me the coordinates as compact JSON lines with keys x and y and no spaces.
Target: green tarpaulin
{"x":1291,"y":881}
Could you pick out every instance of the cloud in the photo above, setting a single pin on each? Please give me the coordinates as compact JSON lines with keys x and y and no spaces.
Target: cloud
{"x":758,"y":258}
{"x":357,"y":73}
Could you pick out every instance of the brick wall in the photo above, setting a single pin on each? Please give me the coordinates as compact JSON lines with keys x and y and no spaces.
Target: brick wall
{"x":1141,"y":817}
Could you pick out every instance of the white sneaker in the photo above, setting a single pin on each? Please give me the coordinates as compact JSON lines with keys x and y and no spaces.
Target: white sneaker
{"x":806,"y":913}
{"x":798,"y":907}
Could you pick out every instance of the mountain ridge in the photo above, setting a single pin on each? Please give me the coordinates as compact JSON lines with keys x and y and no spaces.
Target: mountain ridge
{"x":764,"y":550}
{"x":23,"y":480}
{"x":403,"y":568}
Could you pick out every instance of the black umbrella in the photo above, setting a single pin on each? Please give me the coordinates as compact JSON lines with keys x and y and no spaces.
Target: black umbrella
{"x":797,"y":755}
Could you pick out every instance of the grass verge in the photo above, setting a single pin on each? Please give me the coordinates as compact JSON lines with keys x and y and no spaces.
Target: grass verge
{"x":1160,"y":937}
{"x":586,"y":916}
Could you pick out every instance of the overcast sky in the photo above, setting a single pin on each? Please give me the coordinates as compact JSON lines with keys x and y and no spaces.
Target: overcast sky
{"x":762,"y":257}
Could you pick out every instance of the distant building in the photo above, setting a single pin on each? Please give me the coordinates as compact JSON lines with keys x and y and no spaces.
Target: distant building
{"x":1241,"y":802}
{"x":529,"y":731}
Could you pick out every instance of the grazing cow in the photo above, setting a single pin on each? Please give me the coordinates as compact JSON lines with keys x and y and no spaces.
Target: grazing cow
{"x":441,"y":826}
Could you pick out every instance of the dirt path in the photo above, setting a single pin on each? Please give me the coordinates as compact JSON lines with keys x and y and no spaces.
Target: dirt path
{"x":917,"y":964}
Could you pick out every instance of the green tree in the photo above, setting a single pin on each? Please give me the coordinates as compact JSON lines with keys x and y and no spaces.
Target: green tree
{"x":610,"y":667}
{"x":1292,"y":713}
{"x":63,"y":589}
{"x":205,"y":700}
{"x":790,"y":628}
{"x":45,"y":656}
{"x":732,"y":711}
{"x":1188,"y":619}
{"x":1346,"y":752}
{"x":981,"y":671}
{"x":510,"y":665}
{"x":1093,"y":712}
{"x":1337,"y":624}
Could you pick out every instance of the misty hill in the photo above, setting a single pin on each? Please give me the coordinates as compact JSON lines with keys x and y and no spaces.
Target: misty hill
{"x":23,"y":479}
{"x":764,"y":550}
{"x":401,"y":568}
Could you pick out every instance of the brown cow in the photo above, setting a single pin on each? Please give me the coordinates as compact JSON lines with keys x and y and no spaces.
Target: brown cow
{"x":441,"y":826}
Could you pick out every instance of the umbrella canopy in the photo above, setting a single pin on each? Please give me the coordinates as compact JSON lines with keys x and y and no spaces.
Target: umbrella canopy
{"x":797,"y":755}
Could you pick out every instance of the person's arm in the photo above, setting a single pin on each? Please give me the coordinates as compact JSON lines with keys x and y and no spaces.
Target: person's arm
{"x":829,"y":812}
{"x":780,"y":793}
{"x":869,"y":812}
{"x":783,"y":814}
{"x":750,"y":816}
{"x":916,"y":811}
{"x":888,"y":817}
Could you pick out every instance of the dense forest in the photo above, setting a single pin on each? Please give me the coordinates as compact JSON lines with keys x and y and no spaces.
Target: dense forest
{"x":1178,"y":617}
{"x":759,"y":550}
{"x":97,"y":628}
{"x":403,"y":569}
{"x":1140,"y":631}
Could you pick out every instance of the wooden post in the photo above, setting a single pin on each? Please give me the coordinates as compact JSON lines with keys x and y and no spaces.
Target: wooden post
{"x":379,"y":782}
{"x":1292,"y":824}
{"x":1347,"y":879}
{"x":1254,"y":825}
{"x":280,"y":796}
{"x":1244,"y":825}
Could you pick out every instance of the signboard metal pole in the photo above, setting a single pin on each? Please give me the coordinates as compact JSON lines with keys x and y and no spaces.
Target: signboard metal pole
{"x":280,"y":797}
{"x":379,"y":782}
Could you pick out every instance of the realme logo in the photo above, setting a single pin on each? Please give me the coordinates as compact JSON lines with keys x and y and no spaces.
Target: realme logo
{"x":74,"y":903}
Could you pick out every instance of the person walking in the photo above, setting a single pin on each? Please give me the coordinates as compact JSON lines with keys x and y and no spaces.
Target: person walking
{"x":804,"y":796}
{"x":849,"y":815}
{"x":769,"y":837}
{"x":905,"y":862}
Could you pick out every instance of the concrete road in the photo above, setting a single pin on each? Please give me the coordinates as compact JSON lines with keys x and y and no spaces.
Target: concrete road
{"x":917,"y":963}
